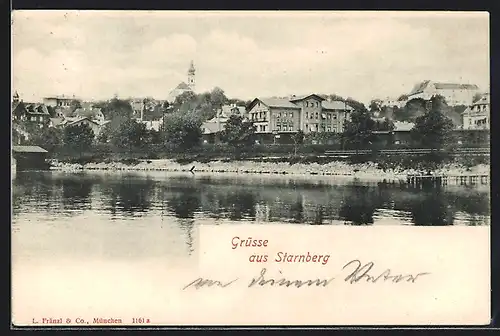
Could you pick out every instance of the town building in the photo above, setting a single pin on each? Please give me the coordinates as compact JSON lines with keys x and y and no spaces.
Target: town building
{"x":477,"y":115}
{"x":455,"y":94}
{"x":182,"y":86}
{"x":213,"y":127}
{"x":309,"y":113}
{"x":60,"y":101}
{"x":34,"y":113}
{"x":96,"y":126}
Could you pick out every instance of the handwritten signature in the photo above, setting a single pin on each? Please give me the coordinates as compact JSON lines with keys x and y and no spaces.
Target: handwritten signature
{"x":357,"y":272}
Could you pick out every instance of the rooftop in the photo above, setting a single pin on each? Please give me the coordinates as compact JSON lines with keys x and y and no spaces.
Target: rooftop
{"x":28,"y":149}
{"x":278,"y":102}
{"x":336,"y":105}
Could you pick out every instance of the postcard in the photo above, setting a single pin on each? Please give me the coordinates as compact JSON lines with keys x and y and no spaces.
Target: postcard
{"x":177,"y":168}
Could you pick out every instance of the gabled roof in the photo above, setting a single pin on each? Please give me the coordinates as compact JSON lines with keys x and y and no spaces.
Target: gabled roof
{"x":77,"y":120}
{"x":36,"y":108}
{"x":65,"y":111}
{"x":182,"y":86}
{"x":336,"y":105}
{"x":275,"y":102}
{"x":420,"y":87}
{"x":210,"y":127}
{"x":89,"y":113}
{"x":485,"y":99}
{"x":28,"y":149}
{"x":302,"y":97}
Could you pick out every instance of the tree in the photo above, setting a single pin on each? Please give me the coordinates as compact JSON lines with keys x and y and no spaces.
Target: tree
{"x":358,"y":130}
{"x":375,"y":106}
{"x":129,"y":134}
{"x":182,"y":129}
{"x":238,"y":132}
{"x":218,"y":97}
{"x":116,"y":111}
{"x":434,"y":128}
{"x":48,"y":138}
{"x":298,"y":139}
{"x":75,"y":104}
{"x":385,"y":125}
{"x":78,"y":137}
{"x":356,"y":105}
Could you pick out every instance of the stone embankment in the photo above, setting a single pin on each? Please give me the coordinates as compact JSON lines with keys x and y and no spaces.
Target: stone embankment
{"x":365,"y":170}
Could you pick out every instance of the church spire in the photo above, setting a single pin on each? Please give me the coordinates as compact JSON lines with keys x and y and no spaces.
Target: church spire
{"x":191,"y":76}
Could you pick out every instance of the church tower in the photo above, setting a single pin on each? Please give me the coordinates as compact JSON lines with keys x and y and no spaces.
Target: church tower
{"x":191,"y":77}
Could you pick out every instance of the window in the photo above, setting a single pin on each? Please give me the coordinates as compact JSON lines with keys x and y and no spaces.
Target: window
{"x":307,"y":104}
{"x":329,"y":129}
{"x":317,"y":104}
{"x":264,"y":128}
{"x":307,"y":115}
{"x":307,"y":127}
{"x":278,"y":127}
{"x":317,"y":115}
{"x":33,"y":119}
{"x":334,"y":116}
{"x":291,"y":114}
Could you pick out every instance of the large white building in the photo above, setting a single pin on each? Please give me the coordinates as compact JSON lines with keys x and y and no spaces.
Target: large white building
{"x":477,"y":116}
{"x":455,"y":94}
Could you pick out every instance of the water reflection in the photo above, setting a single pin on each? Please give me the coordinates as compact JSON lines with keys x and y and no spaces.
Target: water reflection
{"x":246,"y":199}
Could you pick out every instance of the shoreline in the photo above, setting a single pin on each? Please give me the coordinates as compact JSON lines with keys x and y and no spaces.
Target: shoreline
{"x":364,"y":171}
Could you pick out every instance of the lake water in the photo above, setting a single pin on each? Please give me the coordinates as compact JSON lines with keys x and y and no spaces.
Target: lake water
{"x":74,"y":228}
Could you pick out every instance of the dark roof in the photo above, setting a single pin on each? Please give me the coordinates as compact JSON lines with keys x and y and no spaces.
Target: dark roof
{"x":28,"y":149}
{"x":65,"y":111}
{"x":420,"y":87}
{"x":278,"y":102}
{"x":336,"y":105}
{"x":182,"y":86}
{"x":36,"y":108}
{"x":302,"y":97}
{"x":90,"y":113}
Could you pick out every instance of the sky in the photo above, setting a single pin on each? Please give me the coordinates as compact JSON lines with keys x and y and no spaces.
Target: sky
{"x":363,"y":55}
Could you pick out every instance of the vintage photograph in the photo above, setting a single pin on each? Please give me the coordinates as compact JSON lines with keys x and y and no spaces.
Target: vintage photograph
{"x":130,"y":129}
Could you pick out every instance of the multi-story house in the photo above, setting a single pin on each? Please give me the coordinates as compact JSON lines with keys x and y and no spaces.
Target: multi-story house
{"x":310,"y":113}
{"x":34,"y":113}
{"x":455,"y":94}
{"x":477,"y":115}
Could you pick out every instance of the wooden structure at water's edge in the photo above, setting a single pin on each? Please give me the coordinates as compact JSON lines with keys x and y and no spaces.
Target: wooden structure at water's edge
{"x":28,"y":158}
{"x":465,"y":179}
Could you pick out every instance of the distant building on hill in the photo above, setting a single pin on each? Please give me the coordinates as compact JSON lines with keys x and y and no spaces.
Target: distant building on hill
{"x":455,"y":94}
